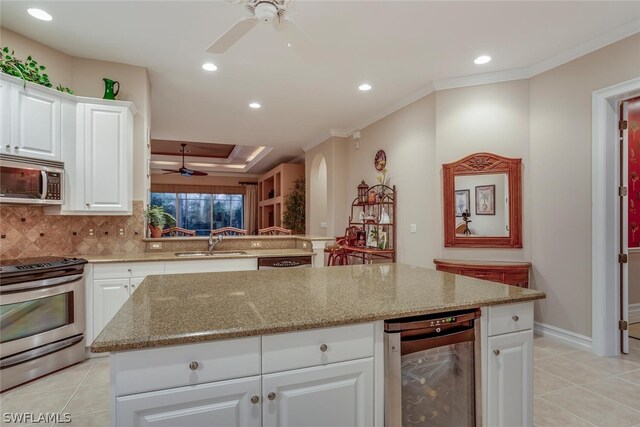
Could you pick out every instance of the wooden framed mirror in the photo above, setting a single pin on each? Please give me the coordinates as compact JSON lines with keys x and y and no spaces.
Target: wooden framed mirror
{"x":483,"y":202}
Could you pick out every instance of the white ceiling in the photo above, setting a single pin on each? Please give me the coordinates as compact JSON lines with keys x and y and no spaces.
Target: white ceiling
{"x":400,"y":47}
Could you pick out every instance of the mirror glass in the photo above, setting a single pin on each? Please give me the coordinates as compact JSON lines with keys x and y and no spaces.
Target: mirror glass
{"x":482,"y":205}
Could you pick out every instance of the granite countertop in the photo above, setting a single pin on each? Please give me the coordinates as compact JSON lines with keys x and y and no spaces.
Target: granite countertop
{"x":171,"y":256}
{"x":187,"y":308}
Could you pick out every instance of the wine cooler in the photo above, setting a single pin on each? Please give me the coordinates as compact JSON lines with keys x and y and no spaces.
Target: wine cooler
{"x":431,"y":370}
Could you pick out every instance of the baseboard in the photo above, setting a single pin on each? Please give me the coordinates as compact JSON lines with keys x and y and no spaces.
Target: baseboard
{"x":634,"y":313}
{"x":563,"y":336}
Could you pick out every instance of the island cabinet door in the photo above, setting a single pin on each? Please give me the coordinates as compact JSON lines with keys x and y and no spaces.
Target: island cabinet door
{"x":510,"y":380}
{"x":339,"y":394}
{"x":233,"y":403}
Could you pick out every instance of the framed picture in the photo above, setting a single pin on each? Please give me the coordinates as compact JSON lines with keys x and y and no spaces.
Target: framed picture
{"x":380,"y":160}
{"x":486,"y":200}
{"x":462,"y":202}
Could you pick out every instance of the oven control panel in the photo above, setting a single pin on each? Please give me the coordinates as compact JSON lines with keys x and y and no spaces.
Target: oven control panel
{"x":54,"y":183}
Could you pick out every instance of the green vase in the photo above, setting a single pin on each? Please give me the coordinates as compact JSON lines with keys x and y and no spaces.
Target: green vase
{"x":108,"y":88}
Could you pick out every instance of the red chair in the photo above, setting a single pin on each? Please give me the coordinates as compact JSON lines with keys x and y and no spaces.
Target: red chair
{"x":338,"y":254}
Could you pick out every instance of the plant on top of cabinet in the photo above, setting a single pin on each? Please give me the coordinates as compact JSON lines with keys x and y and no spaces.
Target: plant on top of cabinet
{"x":157,"y":219}
{"x":293,"y":217}
{"x":29,"y":70}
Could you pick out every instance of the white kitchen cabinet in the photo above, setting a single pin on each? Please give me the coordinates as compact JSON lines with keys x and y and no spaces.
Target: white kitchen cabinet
{"x":112,"y":284}
{"x":35,"y":123}
{"x":108,"y":297}
{"x":339,"y":394}
{"x":507,"y":364}
{"x":5,"y":117}
{"x":108,"y":150}
{"x":223,"y":403}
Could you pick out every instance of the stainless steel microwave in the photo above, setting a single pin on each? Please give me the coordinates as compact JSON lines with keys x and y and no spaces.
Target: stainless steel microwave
{"x":31,"y":181}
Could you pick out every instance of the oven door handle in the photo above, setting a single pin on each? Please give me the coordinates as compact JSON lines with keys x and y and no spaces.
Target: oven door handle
{"x":412,"y":346}
{"x":45,"y":185}
{"x":54,"y":281}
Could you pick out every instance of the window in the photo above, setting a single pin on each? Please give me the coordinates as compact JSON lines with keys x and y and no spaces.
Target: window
{"x":202,"y":212}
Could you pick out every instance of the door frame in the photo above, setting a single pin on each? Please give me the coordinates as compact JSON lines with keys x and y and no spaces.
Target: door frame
{"x":605,"y":215}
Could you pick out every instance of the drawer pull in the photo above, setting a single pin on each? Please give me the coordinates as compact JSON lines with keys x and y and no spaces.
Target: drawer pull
{"x":323,"y":347}
{"x":496,"y":352}
{"x":194,"y":365}
{"x":515,"y":318}
{"x":255,"y":399}
{"x":271,"y":396}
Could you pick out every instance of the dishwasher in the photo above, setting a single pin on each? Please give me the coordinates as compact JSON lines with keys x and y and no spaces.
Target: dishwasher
{"x":284,"y":262}
{"x":432,"y":369}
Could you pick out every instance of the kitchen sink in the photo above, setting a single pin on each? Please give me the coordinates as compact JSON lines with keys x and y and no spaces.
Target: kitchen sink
{"x":209,"y":254}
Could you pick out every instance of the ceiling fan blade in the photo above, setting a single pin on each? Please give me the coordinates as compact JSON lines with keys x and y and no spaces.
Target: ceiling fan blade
{"x":171,"y":170}
{"x":298,"y":39}
{"x":232,"y":35}
{"x":198,"y":173}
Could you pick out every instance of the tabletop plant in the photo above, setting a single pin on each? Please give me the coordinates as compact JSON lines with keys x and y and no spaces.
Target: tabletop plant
{"x":294,"y":214}
{"x":28,"y":70}
{"x":157,"y":218}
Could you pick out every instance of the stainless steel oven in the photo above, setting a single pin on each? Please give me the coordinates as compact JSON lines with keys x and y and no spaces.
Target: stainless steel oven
{"x":31,"y":181}
{"x":432,"y":370}
{"x":42,"y":317}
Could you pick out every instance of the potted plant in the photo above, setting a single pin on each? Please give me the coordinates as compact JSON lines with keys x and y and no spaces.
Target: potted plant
{"x":157,"y":218}
{"x":293,"y":217}
{"x":28,"y":70}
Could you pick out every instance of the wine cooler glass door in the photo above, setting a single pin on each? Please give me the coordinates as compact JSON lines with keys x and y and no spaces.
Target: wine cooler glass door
{"x":438,"y":386}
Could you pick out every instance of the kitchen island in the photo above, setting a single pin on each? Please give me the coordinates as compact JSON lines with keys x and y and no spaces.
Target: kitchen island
{"x":280,"y":347}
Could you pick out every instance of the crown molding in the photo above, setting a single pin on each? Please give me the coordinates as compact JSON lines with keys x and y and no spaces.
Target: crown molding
{"x":298,"y":159}
{"x":256,"y":159}
{"x":495,"y":77}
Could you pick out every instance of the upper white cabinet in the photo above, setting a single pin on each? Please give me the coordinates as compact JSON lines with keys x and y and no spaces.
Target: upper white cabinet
{"x":107,"y":137}
{"x":31,"y":122}
{"x":93,"y":137}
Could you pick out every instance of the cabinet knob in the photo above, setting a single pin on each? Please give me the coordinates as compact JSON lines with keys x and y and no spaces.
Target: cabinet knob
{"x":129,"y":270}
{"x":126,"y":286}
{"x":16,"y":148}
{"x":8,"y":147}
{"x":496,"y":352}
{"x":271,"y":396}
{"x":194,"y":365}
{"x":255,"y":399}
{"x":323,"y":348}
{"x":87,"y":204}
{"x":133,"y":286}
{"x":515,"y":318}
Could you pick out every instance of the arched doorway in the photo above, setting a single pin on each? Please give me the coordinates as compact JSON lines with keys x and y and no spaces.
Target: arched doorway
{"x":318,"y":196}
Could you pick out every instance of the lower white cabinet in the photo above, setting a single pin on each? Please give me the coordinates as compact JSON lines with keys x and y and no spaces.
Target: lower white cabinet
{"x":233,"y":403}
{"x":339,"y":394}
{"x":108,"y":297}
{"x":509,"y":379}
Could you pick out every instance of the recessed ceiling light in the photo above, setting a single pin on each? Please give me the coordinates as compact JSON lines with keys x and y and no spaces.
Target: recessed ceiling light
{"x":482,"y":59}
{"x":39,"y":14}
{"x":209,"y":66}
{"x":364,"y":87}
{"x":255,"y":105}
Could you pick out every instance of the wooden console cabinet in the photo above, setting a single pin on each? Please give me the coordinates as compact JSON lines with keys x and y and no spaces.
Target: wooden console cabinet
{"x":509,"y":273}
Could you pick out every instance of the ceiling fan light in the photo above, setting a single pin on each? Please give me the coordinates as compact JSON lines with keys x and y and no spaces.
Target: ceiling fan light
{"x":265,"y":12}
{"x":255,"y":105}
{"x":364,"y":87}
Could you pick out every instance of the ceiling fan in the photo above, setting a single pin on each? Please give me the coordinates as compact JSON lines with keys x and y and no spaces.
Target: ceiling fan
{"x":184,"y":171}
{"x":272,"y":12}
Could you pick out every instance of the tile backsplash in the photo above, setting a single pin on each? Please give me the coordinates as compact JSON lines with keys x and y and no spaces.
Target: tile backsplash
{"x":27,"y":232}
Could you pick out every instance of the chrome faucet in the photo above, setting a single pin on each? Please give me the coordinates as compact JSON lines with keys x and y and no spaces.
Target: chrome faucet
{"x":213,"y":242}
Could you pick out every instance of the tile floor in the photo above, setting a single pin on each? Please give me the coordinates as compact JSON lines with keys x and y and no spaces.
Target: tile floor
{"x":571,"y":388}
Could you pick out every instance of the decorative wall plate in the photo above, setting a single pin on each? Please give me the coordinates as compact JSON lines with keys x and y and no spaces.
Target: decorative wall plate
{"x":381,"y":160}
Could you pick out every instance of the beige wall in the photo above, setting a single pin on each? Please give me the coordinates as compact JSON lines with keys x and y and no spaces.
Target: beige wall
{"x":546,"y":121}
{"x":634,"y":278}
{"x":560,"y":184}
{"x":84,"y":77}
